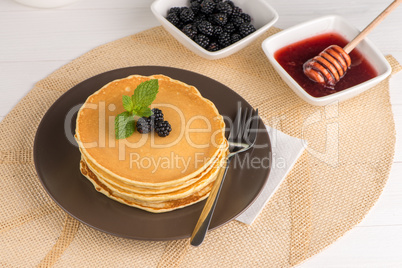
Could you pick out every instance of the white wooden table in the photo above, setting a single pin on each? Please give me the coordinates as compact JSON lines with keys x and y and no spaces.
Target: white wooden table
{"x":35,"y":42}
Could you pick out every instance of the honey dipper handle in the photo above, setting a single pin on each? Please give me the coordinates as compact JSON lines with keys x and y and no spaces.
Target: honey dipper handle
{"x":349,"y":47}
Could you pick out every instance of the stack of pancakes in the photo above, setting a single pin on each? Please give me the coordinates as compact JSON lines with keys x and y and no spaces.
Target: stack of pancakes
{"x":153,"y":173}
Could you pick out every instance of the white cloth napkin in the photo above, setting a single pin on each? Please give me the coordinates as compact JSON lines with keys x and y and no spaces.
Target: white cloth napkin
{"x":285,"y":151}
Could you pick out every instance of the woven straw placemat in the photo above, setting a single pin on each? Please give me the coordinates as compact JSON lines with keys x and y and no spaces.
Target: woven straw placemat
{"x":330,"y":189}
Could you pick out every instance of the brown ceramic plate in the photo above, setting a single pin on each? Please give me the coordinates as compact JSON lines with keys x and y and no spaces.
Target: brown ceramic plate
{"x":57,"y":164}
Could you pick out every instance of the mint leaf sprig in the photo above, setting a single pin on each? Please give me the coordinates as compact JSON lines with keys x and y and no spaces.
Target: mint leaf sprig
{"x":136,"y":105}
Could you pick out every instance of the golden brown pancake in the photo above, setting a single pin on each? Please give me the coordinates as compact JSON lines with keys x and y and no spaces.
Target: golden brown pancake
{"x":112,"y":182}
{"x":201,"y":181}
{"x":144,"y":170}
{"x":195,"y":141}
{"x":155,"y":208}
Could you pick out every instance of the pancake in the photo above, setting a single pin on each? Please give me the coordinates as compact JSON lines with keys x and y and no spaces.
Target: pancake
{"x":115,"y":183}
{"x":202,"y":180}
{"x":195,"y":141}
{"x":154,"y":208}
{"x":156,"y":174}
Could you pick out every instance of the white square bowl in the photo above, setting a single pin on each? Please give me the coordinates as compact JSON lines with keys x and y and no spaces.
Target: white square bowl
{"x":320,"y":26}
{"x":262,"y":14}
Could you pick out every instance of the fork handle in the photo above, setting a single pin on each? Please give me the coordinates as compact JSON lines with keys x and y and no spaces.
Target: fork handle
{"x":204,"y":220}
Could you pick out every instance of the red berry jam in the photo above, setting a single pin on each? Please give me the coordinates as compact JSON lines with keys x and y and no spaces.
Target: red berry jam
{"x":292,"y":58}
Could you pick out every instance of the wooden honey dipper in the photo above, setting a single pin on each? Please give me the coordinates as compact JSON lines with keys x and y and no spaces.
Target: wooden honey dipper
{"x":332,"y":64}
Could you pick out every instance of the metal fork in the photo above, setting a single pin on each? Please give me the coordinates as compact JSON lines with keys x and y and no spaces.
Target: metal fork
{"x":243,"y":134}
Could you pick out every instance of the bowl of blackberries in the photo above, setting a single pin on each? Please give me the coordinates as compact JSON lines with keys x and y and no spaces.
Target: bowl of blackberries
{"x":215,"y":29}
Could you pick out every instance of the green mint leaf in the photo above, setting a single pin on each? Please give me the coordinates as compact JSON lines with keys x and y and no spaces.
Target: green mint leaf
{"x":124,"y":125}
{"x":137,"y":104}
{"x":128,"y":103}
{"x":145,"y":93}
{"x":143,"y":112}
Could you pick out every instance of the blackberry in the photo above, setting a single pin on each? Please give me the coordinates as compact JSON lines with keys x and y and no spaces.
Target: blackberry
{"x":175,"y":10}
{"x":212,"y":24}
{"x":219,"y":19}
{"x":190,"y":30}
{"x":235,"y":37}
{"x":180,"y":25}
{"x":237,"y":21}
{"x":162,"y":128}
{"x":187,"y":15}
{"x":173,"y":19}
{"x":224,"y":7}
{"x":231,"y":3}
{"x":144,"y":125}
{"x":206,"y":28}
{"x":217,"y":30}
{"x":199,"y":18}
{"x":147,"y":124}
{"x":236,"y":12}
{"x":201,"y":40}
{"x":246,"y":17}
{"x":195,"y":7}
{"x":246,"y":29}
{"x":229,"y":27}
{"x":157,"y":115}
{"x":213,"y":46}
{"x":207,"y":6}
{"x":224,"y":39}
